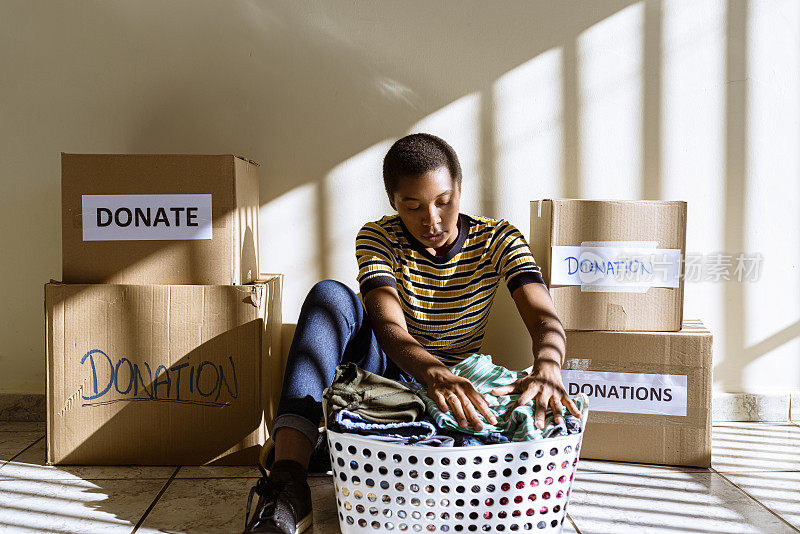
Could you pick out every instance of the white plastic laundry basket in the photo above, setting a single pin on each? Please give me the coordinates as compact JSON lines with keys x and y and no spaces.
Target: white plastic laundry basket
{"x":508,"y":487}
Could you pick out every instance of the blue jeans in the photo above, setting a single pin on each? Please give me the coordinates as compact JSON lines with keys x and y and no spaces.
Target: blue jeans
{"x":333,"y":327}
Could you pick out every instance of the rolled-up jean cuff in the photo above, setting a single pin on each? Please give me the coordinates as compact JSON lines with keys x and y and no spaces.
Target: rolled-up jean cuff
{"x":298,"y":422}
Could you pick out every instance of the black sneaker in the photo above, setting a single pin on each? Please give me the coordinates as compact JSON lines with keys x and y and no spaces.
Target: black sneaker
{"x":284,"y":501}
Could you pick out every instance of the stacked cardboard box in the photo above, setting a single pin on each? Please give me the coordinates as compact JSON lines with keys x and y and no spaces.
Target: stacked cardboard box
{"x":162,"y":339}
{"x":614,"y":269}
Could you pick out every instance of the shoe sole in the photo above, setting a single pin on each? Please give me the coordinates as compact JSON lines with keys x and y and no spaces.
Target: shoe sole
{"x":304,"y":523}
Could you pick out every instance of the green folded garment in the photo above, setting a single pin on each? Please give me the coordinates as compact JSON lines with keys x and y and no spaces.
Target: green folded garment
{"x":374,"y":397}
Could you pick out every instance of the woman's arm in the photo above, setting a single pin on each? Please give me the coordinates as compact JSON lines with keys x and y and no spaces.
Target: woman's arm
{"x":389,"y":324}
{"x":539,"y":315}
{"x":544,"y":384}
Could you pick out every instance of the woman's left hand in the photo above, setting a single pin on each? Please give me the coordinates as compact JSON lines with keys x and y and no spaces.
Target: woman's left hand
{"x":544,"y":386}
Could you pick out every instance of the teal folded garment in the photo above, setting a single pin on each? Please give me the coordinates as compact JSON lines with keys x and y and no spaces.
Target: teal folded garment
{"x":371,"y":396}
{"x":486,"y":376}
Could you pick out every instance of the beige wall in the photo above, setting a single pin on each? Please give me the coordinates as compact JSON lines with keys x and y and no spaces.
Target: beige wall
{"x":613,"y":99}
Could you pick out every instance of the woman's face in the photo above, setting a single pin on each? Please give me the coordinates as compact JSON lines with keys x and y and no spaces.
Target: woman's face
{"x":428,"y":205}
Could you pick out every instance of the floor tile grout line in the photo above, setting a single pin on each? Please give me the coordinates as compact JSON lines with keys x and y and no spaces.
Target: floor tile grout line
{"x":573,"y":524}
{"x":767,"y":508}
{"x":23,"y":450}
{"x":153,"y":504}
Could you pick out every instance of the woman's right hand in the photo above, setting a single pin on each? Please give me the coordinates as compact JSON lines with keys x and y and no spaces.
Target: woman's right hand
{"x":454,"y":393}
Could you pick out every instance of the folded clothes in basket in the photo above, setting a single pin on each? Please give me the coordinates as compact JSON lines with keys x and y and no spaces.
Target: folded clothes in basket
{"x":419,"y":433}
{"x":373,"y":397}
{"x":486,"y":376}
{"x":347,"y":421}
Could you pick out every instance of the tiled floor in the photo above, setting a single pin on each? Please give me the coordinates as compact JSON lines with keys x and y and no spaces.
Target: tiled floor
{"x":753,"y":486}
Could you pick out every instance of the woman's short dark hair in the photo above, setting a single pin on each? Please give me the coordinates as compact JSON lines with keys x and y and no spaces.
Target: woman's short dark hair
{"x":416,"y":154}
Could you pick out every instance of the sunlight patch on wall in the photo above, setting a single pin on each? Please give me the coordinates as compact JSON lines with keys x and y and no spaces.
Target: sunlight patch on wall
{"x":773,"y":179}
{"x":291,"y":244}
{"x":355,"y":194}
{"x":610,"y":99}
{"x":528,"y":136}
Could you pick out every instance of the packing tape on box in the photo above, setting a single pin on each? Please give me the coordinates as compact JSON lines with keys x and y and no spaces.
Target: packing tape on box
{"x":616,"y":266}
{"x":656,"y":394}
{"x":254,"y":292}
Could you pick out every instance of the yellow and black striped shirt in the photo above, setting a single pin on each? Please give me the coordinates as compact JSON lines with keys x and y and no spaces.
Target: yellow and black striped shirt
{"x":446,"y":299}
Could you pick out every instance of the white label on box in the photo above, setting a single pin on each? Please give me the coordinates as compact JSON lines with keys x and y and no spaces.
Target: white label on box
{"x":146,"y":217}
{"x":617,"y":266}
{"x":651,"y":394}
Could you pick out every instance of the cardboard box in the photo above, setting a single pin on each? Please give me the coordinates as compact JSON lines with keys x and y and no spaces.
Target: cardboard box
{"x":159,"y":219}
{"x":160,"y":374}
{"x":612,"y":265}
{"x":649,"y":394}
